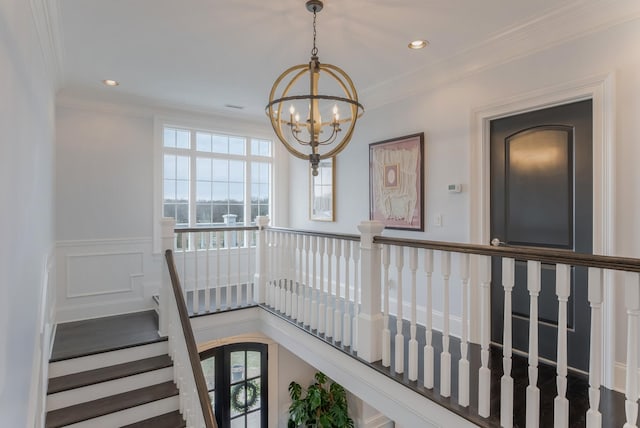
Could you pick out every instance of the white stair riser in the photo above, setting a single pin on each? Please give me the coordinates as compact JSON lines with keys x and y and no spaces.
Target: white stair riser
{"x":105,"y":359}
{"x":134,"y":414}
{"x":105,"y":389}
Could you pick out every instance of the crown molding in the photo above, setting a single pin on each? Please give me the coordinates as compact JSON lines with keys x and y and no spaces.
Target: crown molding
{"x":46,"y":17}
{"x":555,"y":27}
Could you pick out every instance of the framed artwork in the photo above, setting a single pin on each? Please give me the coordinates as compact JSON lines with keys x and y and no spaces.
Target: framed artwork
{"x":396,"y":181}
{"x":322,"y":191}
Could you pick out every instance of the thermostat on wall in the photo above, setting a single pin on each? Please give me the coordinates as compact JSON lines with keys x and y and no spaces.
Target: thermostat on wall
{"x":454,"y":188}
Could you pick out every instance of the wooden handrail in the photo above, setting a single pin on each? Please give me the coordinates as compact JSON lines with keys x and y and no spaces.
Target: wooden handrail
{"x":344,"y":236}
{"x":194,"y":357}
{"x":544,"y":255}
{"x":214,"y":229}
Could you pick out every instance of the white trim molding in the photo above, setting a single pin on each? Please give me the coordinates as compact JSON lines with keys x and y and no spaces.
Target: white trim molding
{"x":600,"y":89}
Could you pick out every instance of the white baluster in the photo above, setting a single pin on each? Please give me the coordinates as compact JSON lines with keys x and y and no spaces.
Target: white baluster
{"x":227,"y":250}
{"x":337,"y":314}
{"x":484,"y":374}
{"x":328,"y":297}
{"x":278,"y":270}
{"x":239,"y":265}
{"x":560,"y":403}
{"x":386,"y":332}
{"x":291,"y":261}
{"x":298,"y":278}
{"x":463,"y":364}
{"x":185,"y":280}
{"x":207,"y":283}
{"x":399,"y":339}
{"x":307,"y":298}
{"x":321,"y":305}
{"x":250,"y":268}
{"x":632,"y":298}
{"x":218,"y":285}
{"x":533,"y":392}
{"x":346,"y":340}
{"x":284,"y":255}
{"x":506,"y":382}
{"x":356,"y":296}
{"x":428,"y":332}
{"x":196,"y":277}
{"x":314,"y":280}
{"x":413,"y":343}
{"x":596,"y":293}
{"x":445,"y":356}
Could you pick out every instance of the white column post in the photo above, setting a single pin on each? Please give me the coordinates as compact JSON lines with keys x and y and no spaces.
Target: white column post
{"x":260,"y":278}
{"x":506,"y":382}
{"x":561,"y":403}
{"x":370,"y":317}
{"x":596,"y":294}
{"x":167,"y":225}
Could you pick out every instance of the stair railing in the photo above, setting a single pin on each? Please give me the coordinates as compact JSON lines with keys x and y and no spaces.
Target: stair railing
{"x":195,"y":404}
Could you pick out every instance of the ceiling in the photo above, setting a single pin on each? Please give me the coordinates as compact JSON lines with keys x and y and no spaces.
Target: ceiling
{"x":206,"y":54}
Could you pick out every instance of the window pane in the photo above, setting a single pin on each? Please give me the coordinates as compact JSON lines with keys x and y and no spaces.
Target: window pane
{"x":253,"y":364}
{"x":217,"y":212}
{"x":169,"y":190}
{"x":182,"y":214}
{"x":220,"y":191}
{"x":169,"y":137}
{"x":182,"y":190}
{"x":238,"y":398}
{"x":203,"y":214}
{"x":238,"y":422}
{"x":169,"y":166}
{"x":203,"y":169}
{"x":253,"y":395}
{"x":236,"y":171}
{"x":253,"y":420}
{"x":220,"y":144}
{"x":237,"y":366}
{"x":264,"y":209}
{"x":212,"y":397}
{"x":209,"y":370}
{"x":203,"y":142}
{"x":220,"y":170}
{"x":183,"y":139}
{"x":236,"y":145}
{"x":236,"y":192}
{"x":169,"y":210}
{"x":238,"y":210}
{"x":264,"y":193}
{"x":182,"y":171}
{"x":203,"y":191}
{"x":265,"y":173}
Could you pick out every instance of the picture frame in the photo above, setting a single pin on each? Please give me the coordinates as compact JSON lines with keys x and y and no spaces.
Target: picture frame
{"x":396,"y":182}
{"x":322,"y":198}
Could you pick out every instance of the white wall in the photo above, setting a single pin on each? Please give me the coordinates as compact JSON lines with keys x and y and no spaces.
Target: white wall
{"x":104,"y":201}
{"x":445,"y":115}
{"x":26,"y":214}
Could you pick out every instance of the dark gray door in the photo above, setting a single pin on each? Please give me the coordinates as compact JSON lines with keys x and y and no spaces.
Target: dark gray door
{"x":541,"y":196}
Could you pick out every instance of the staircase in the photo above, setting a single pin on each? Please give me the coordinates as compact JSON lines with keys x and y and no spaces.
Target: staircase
{"x":130,"y":387}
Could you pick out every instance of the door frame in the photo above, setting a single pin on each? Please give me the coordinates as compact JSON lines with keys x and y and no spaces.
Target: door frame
{"x":601,"y":89}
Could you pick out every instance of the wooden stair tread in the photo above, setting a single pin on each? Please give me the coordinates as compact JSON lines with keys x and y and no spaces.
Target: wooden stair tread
{"x":104,"y":374}
{"x":104,"y":406}
{"x":168,"y":420}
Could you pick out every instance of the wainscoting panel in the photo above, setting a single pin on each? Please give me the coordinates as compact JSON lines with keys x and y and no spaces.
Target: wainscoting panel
{"x":105,"y":277}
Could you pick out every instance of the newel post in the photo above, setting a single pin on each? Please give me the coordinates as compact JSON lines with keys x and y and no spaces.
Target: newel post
{"x":370,"y":317}
{"x":167,"y":237}
{"x":260,"y":277}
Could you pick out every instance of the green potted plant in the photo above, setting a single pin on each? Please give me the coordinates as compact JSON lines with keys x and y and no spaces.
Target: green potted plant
{"x":322,"y":406}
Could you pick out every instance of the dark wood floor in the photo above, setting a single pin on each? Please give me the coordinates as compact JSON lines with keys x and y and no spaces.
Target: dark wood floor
{"x":80,"y":338}
{"x":92,"y":336}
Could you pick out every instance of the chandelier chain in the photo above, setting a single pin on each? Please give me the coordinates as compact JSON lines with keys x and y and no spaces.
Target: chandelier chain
{"x":314,"y":51}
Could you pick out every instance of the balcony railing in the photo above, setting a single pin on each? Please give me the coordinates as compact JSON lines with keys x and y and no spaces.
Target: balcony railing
{"x":339,"y":286}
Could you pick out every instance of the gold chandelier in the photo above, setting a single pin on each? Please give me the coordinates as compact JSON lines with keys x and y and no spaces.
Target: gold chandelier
{"x":290,"y":95}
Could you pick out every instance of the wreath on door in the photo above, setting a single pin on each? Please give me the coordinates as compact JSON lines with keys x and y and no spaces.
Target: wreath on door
{"x":239,"y":401}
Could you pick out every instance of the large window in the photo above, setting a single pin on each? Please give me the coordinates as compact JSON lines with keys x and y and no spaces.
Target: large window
{"x":236,"y":378}
{"x":212,"y":178}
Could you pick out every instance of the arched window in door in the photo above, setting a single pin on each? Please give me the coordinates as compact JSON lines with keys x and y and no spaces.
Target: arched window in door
{"x":236,"y":378}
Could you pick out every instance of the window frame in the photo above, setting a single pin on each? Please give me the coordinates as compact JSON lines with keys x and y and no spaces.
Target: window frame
{"x":219,"y":126}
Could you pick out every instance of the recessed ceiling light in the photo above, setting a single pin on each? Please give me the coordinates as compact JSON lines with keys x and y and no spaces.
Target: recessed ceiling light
{"x":418,"y":44}
{"x":110,"y":82}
